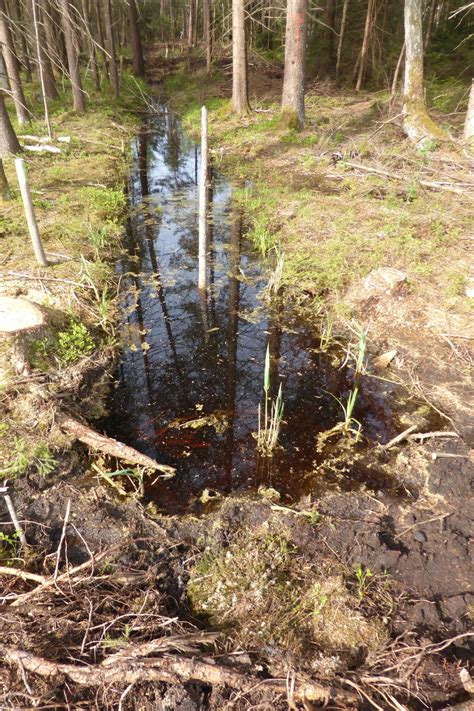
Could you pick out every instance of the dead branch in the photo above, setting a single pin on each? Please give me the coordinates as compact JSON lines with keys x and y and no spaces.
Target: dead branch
{"x":16,"y":523}
{"x":108,"y":445}
{"x":420,"y":436}
{"x":399,"y":438}
{"x":116,"y":670}
{"x":22,"y":574}
{"x":449,"y":187}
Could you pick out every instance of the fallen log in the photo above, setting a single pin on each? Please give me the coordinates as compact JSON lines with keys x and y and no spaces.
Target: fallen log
{"x":108,"y":445}
{"x":172,"y":669}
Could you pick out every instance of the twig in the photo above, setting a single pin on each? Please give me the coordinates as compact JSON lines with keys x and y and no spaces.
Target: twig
{"x":19,"y":275}
{"x":448,"y":455}
{"x":399,"y":438}
{"x":429,"y":435}
{"x":16,"y":523}
{"x":61,"y":540}
{"x":23,"y":574}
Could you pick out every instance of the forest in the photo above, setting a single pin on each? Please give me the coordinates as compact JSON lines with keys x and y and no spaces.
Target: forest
{"x":236,"y":354}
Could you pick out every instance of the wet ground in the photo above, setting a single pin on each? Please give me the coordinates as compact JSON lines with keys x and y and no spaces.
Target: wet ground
{"x":191,"y":377}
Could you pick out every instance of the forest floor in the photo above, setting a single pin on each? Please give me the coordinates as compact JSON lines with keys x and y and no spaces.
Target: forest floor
{"x":357,"y":599}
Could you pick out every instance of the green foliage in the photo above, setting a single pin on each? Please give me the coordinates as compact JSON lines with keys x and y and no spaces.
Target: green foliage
{"x":74,"y":343}
{"x":9,"y":545}
{"x":362,"y":576}
{"x":27,"y":456}
{"x":107,"y":203}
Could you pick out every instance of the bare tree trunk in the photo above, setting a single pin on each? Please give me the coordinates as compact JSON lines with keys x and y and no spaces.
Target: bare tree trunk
{"x":429,"y":26}
{"x":292,"y":104}
{"x":207,"y":32}
{"x":109,"y":31}
{"x":137,"y":49}
{"x":397,"y":72}
{"x":8,"y":140}
{"x":78,"y":95}
{"x":20,"y":36}
{"x":326,"y":64}
{"x":53,"y":38}
{"x":43,"y":62}
{"x":4,"y":188}
{"x":365,"y":44}
{"x":417,"y":124}
{"x":469,"y":124}
{"x":240,"y":100}
{"x":342,"y":30}
{"x":92,"y":48}
{"x":41,"y":67}
{"x":11,"y":61}
{"x":100,"y":30}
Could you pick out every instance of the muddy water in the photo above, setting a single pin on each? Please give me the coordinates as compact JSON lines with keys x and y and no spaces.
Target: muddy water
{"x":191,"y":376}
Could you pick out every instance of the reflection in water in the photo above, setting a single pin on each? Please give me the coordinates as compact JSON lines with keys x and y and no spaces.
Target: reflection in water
{"x":192,"y":370}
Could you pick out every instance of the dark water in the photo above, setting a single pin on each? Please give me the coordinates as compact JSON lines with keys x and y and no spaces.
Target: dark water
{"x":189,"y":354}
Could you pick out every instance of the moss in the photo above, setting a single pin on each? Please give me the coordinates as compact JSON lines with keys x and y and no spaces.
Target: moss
{"x":261,"y":591}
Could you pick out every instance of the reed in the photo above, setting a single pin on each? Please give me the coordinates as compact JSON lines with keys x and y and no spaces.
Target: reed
{"x":269,"y":422}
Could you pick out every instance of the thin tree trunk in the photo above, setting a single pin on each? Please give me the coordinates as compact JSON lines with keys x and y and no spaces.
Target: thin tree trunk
{"x":365,"y":44}
{"x":20,"y":34}
{"x":240,"y":101}
{"x":295,"y":54}
{"x":78,"y":95}
{"x":30,"y":212}
{"x":8,"y":140}
{"x":397,"y":72}
{"x":100,"y":30}
{"x":92,"y":49}
{"x":469,"y":124}
{"x":326,"y":49}
{"x":137,"y":49}
{"x":54,"y":50}
{"x":418,"y":126}
{"x":207,"y":32}
{"x":4,"y":188}
{"x":429,"y":26}
{"x":8,"y":51}
{"x":41,"y":67}
{"x":342,"y":30}
{"x":43,"y":62}
{"x":109,"y":31}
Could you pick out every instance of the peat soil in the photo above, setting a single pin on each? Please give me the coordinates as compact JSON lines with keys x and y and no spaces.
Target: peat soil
{"x":400,"y":553}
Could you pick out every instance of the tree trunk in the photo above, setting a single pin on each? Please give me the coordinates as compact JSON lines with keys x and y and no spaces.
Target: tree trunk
{"x":240,"y":101}
{"x":100,"y":31}
{"x":417,"y":125}
{"x":469,"y":125}
{"x":92,"y":49}
{"x":78,"y":95}
{"x":4,"y":189}
{"x":137,"y":49}
{"x":43,"y":62}
{"x":326,"y":49}
{"x":8,"y":140}
{"x":20,"y":36}
{"x":365,"y":44}
{"x":11,"y":61}
{"x":342,"y":30}
{"x":429,"y":25}
{"x":207,"y":32}
{"x":109,"y":31}
{"x":295,"y":54}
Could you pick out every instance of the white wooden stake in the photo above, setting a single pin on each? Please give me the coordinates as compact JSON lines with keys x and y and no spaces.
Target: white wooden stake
{"x":29,"y":212}
{"x":202,"y":280}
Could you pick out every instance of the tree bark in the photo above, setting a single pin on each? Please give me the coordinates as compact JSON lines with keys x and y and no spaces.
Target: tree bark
{"x":11,"y":61}
{"x":240,"y":101}
{"x":207,"y":32}
{"x":295,"y":54}
{"x":18,"y":24}
{"x":417,"y":125}
{"x":469,"y":124}
{"x":342,"y":30}
{"x":92,"y":49}
{"x":8,"y":140}
{"x":78,"y":95}
{"x":137,"y":49}
{"x":365,"y":44}
{"x":43,"y":62}
{"x":109,"y":31}
{"x":326,"y":50}
{"x":4,"y":188}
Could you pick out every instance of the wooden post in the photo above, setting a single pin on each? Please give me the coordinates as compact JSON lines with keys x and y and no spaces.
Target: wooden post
{"x":29,"y":212}
{"x":202,"y":281}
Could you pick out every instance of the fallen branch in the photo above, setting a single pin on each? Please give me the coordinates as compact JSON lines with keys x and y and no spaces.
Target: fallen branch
{"x":420,"y":436}
{"x":22,"y":574}
{"x":16,"y":523}
{"x":449,"y":187}
{"x":108,"y":445}
{"x":399,"y":438}
{"x":169,"y":669}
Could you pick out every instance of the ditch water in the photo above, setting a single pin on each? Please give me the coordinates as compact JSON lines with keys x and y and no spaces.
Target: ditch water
{"x":191,"y":375}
